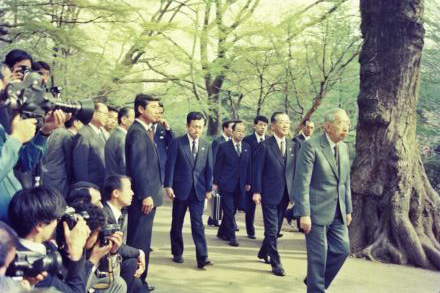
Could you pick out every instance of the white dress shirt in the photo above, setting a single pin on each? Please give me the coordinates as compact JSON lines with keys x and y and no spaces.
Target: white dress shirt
{"x":191,"y":142}
{"x":279,"y":140}
{"x":145,"y":125}
{"x":259,"y":137}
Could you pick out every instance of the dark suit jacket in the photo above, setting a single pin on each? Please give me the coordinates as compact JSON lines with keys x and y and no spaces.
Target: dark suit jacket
{"x":56,"y":169}
{"x":125,"y":250}
{"x":320,"y":183}
{"x":272,"y":173}
{"x":230,"y":170}
{"x":115,"y":153}
{"x":88,"y":156}
{"x":251,"y":140}
{"x":143,"y":165}
{"x":74,"y":281}
{"x":163,"y":138}
{"x":183,"y":172}
{"x":215,"y":143}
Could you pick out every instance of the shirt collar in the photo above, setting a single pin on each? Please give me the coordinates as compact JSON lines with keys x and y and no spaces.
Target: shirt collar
{"x":305,"y":136}
{"x":116,"y":212}
{"x":33,"y":246}
{"x":145,"y":125}
{"x":278,"y":139}
{"x":227,"y":138}
{"x":259,"y":137}
{"x":123,"y":129}
{"x":95,"y":129}
{"x":190,"y":139}
{"x":330,"y":141}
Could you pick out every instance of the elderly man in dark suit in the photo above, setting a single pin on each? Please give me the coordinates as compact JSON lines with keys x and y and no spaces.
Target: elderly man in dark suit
{"x":232,"y":179}
{"x":143,"y":166}
{"x":56,"y":166}
{"x":322,"y":198}
{"x":253,"y":140}
{"x":88,"y":149}
{"x":273,"y":184}
{"x":117,"y":195}
{"x":163,"y":135}
{"x":188,"y":181}
{"x":115,"y":146}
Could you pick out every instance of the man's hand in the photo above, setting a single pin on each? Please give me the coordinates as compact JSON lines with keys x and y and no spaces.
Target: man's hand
{"x":23,"y":130}
{"x":116,"y":239}
{"x":147,"y":205}
{"x":53,"y":120}
{"x":256,"y":198}
{"x":305,"y":223}
{"x":141,"y":264}
{"x":164,"y":123}
{"x":247,"y":187}
{"x":76,"y":238}
{"x":99,"y":252}
{"x":208,"y":195}
{"x":215,"y":187}
{"x":170,"y":193}
{"x":28,"y":282}
{"x":349,"y":218}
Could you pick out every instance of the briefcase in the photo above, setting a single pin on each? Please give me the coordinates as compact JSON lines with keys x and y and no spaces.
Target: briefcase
{"x":216,"y":211}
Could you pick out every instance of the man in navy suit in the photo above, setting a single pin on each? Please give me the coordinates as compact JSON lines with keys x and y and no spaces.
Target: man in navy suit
{"x":163,"y":135}
{"x":273,"y":183}
{"x":253,"y":140}
{"x":188,"y":180}
{"x":232,"y":178}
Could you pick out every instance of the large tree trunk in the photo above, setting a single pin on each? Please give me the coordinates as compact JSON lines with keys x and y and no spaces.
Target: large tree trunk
{"x":396,"y":211}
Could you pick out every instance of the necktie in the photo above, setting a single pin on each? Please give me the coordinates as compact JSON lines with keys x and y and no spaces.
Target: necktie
{"x":238,"y":149}
{"x":150,"y":133}
{"x":283,"y":149}
{"x":194,"y":149}
{"x":337,"y":156}
{"x":261,"y":139}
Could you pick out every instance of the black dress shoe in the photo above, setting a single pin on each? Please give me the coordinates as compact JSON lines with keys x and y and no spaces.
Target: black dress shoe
{"x":223,"y":237}
{"x":251,"y":237}
{"x":305,"y":281}
{"x":236,"y":229}
{"x":234,"y":242}
{"x":280,"y":235}
{"x":150,"y":289}
{"x":265,"y":259}
{"x":203,"y":263}
{"x":278,"y":271}
{"x":178,"y":259}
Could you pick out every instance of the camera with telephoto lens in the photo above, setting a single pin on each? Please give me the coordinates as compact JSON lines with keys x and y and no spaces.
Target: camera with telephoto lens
{"x":71,"y":218}
{"x":29,"y":99}
{"x":106,"y":231}
{"x":31,"y":263}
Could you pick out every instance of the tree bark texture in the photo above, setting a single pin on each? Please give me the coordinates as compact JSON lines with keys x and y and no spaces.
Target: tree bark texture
{"x":396,"y":211}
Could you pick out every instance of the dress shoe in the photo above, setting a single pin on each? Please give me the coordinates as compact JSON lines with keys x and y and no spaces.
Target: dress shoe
{"x":278,"y":271}
{"x":234,"y":242}
{"x":305,"y":281}
{"x":203,"y":263}
{"x":151,"y":288}
{"x":280,"y":235}
{"x":223,"y":237}
{"x":265,"y":259}
{"x":178,"y":259}
{"x":251,"y":237}
{"x":236,"y":229}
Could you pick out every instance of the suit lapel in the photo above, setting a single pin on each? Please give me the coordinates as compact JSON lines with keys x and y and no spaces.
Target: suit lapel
{"x":276,"y":150}
{"x":201,"y":153}
{"x":328,"y":153}
{"x":187,"y":150}
{"x":289,"y":153}
{"x":110,"y":213}
{"x":233,"y":150}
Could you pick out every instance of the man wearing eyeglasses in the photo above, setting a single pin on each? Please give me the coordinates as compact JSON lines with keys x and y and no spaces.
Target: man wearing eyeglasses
{"x":89,"y":149}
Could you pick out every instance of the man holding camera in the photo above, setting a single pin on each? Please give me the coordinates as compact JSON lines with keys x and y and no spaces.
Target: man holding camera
{"x":42,"y":207}
{"x":118,"y":194}
{"x":14,"y":151}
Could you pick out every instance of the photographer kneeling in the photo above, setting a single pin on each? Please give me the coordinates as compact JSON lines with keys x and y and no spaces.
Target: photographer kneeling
{"x":34,"y":215}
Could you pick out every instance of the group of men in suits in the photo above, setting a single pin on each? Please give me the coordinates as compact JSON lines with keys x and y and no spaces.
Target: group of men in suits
{"x":246,"y":171}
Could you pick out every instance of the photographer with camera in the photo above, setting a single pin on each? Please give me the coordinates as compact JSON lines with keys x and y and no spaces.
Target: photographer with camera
{"x":118,"y":194}
{"x":34,"y":214}
{"x":23,"y":146}
{"x":102,"y":241}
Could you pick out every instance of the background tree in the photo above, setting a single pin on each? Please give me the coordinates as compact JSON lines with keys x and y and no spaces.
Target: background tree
{"x":396,"y":211}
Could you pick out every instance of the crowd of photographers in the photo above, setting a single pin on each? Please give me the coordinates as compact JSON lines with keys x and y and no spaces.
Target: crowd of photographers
{"x":50,"y":240}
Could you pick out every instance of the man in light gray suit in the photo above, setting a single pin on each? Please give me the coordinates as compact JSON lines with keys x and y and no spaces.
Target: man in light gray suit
{"x":115,"y":146}
{"x":88,"y":149}
{"x":56,"y":167}
{"x":322,"y":198}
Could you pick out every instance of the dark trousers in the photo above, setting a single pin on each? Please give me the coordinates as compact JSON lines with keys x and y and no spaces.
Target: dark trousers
{"x":229,"y":203}
{"x":250,"y":214}
{"x":327,"y":249}
{"x":272,"y":217}
{"x":197,"y":229}
{"x":128,"y":268}
{"x":140,"y":230}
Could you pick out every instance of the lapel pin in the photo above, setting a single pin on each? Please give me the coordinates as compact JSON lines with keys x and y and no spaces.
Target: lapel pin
{"x":203,"y":148}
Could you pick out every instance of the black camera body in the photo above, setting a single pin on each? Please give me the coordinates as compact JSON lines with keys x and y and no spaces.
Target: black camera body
{"x":106,"y":231}
{"x":31,"y":263}
{"x":70,"y":217}
{"x":30,"y":99}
